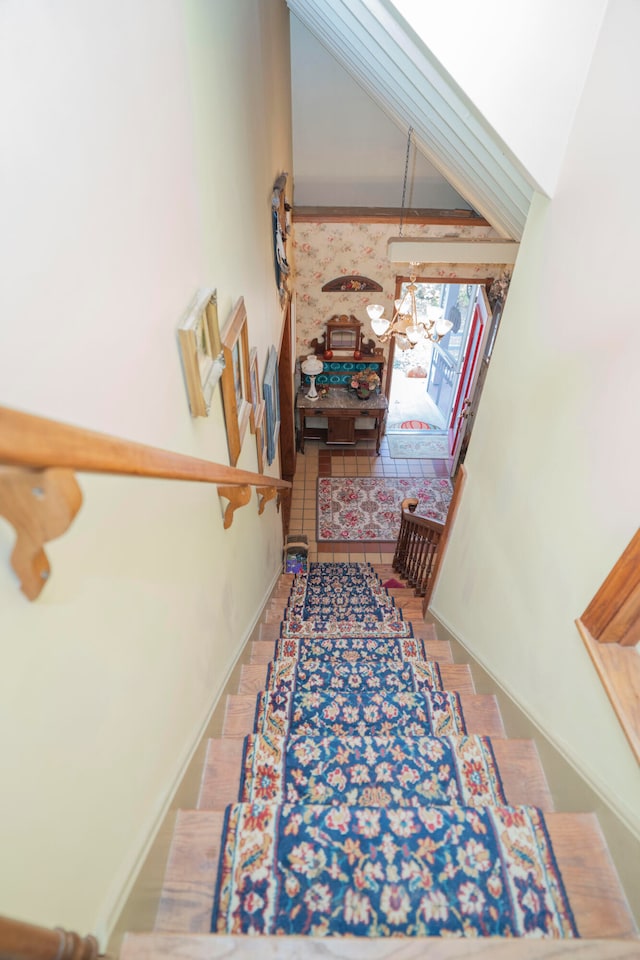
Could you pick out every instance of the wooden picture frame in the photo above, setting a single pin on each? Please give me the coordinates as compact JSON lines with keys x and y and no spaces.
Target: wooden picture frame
{"x":236,"y":385}
{"x":201,"y":351}
{"x":271,"y":393}
{"x":260,"y":435}
{"x":256,"y":392}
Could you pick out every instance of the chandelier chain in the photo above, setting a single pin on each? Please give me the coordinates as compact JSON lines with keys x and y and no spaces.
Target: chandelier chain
{"x":406,"y":174}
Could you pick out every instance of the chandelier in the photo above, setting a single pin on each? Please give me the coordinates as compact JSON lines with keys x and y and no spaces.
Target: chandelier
{"x":406,"y":325}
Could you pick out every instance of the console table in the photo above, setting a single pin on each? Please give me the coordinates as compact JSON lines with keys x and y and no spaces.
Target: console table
{"x":342,"y":409}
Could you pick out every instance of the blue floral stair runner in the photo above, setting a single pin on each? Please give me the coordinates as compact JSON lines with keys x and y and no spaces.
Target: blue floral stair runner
{"x":353,"y":676}
{"x":365,"y":808}
{"x":371,"y":771}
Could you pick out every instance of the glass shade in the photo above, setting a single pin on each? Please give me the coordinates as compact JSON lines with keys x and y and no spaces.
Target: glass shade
{"x":379,"y":326}
{"x":312,"y":366}
{"x":443,"y":326}
{"x":413,"y":333}
{"x":375,"y":311}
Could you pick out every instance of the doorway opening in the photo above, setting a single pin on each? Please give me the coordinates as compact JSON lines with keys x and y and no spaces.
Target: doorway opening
{"x":423,"y":380}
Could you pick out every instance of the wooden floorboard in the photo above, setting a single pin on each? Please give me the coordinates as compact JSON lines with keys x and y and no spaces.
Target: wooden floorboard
{"x":150,"y":946}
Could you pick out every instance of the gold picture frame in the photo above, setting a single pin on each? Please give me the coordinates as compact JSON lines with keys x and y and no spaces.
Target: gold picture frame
{"x":236,"y":380}
{"x":256,"y":390}
{"x":201,"y":350}
{"x":260,"y":435}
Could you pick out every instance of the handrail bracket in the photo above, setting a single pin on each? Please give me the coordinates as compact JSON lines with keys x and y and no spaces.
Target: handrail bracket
{"x":40,"y":505}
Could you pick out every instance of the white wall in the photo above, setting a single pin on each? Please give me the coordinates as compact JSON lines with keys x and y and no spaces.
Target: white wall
{"x":523,"y":64}
{"x":347,"y":152}
{"x":552,"y":493}
{"x":140,"y":143}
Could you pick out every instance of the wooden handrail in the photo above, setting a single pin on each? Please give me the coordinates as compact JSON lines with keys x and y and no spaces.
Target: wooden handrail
{"x":29,"y":441}
{"x":25,"y":941}
{"x":40,"y":497}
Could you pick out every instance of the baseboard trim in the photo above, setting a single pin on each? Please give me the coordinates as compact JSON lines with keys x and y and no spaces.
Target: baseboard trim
{"x":572,"y":790}
{"x":137,"y":905}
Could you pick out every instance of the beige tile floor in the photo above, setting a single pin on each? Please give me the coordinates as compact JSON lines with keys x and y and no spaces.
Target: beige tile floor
{"x":361,"y":461}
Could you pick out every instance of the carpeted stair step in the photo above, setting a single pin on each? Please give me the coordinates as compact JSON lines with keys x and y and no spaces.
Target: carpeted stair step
{"x":323,"y":713}
{"x":352,"y":648}
{"x":371,"y":771}
{"x":389,"y":871}
{"x":597,"y":900}
{"x":455,"y":676}
{"x":480,"y":711}
{"x":332,"y":673}
{"x":263,"y":650}
{"x":270,"y":632}
{"x":523,"y":778}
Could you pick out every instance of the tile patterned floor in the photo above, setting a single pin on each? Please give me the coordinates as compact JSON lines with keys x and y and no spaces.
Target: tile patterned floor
{"x":318,"y":460}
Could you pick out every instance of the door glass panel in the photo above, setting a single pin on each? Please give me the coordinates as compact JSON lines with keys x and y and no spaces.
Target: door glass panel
{"x":444,"y":360}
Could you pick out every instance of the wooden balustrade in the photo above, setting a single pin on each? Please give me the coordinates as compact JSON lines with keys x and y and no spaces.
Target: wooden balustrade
{"x":417,"y":547}
{"x":39,"y":495}
{"x":25,"y":941}
{"x":422,"y":543}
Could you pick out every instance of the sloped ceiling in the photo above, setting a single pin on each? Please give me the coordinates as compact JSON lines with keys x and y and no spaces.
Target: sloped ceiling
{"x":392,"y":64}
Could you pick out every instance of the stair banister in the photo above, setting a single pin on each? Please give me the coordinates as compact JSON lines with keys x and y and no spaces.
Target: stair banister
{"x":26,"y":941}
{"x":40,"y":497}
{"x":421,"y":543}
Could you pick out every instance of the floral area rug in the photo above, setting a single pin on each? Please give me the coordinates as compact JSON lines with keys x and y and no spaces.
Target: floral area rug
{"x":362,"y":675}
{"x":296,"y":713}
{"x":418,"y":445}
{"x":372,"y":771}
{"x":369,"y":871}
{"x":368,"y":508}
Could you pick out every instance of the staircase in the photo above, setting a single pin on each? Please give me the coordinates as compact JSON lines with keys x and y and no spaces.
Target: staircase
{"x":183,"y":922}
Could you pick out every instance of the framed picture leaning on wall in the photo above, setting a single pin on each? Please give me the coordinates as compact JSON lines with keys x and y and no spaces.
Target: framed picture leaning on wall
{"x":236,"y":381}
{"x":256,"y":392}
{"x":271,"y":393}
{"x":201,"y":351}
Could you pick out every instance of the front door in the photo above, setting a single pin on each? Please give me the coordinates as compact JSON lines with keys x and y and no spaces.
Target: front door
{"x":469,"y":375}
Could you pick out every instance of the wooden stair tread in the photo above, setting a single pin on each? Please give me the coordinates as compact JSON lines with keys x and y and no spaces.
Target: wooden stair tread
{"x":518,"y":762}
{"x":189,"y":883}
{"x":522,"y":774}
{"x":176,"y":946}
{"x":455,"y":676}
{"x":597,"y":900}
{"x":220,"y":783}
{"x":480,"y":711}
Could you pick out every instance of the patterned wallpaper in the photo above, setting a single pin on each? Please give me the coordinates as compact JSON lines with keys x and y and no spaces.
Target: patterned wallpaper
{"x":323,"y":251}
